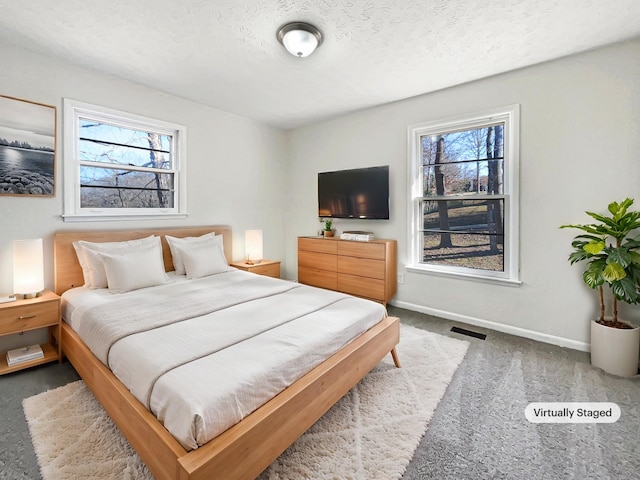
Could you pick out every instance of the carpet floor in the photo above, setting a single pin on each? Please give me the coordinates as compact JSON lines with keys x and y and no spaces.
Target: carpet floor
{"x":479,"y":431}
{"x":371,"y":433}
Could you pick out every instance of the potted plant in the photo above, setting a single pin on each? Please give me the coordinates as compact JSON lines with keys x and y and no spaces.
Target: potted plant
{"x":612,"y":258}
{"x":327,"y":227}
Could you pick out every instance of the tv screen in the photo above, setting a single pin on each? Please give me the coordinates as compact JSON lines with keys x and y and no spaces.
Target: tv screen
{"x":357,"y":193}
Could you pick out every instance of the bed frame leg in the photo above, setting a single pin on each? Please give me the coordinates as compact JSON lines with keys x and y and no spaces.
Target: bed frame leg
{"x":394,"y":355}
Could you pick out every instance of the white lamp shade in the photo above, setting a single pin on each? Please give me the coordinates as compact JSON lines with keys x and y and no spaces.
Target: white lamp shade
{"x":300,"y":43}
{"x":28,"y":267}
{"x":253,"y":245}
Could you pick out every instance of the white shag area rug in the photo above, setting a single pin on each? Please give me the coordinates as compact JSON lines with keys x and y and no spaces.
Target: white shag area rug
{"x":370,"y":433}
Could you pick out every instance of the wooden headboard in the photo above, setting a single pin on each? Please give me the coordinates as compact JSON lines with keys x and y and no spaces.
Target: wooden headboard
{"x":68,"y":273}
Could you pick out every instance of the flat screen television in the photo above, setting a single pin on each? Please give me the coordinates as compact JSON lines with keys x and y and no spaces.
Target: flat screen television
{"x":356,"y":193}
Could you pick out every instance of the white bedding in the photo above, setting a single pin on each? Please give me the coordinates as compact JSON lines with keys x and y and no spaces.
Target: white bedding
{"x":223,"y":345}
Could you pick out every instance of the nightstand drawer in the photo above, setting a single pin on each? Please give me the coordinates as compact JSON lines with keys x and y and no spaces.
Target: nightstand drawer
{"x":270,"y":270}
{"x":28,"y":317}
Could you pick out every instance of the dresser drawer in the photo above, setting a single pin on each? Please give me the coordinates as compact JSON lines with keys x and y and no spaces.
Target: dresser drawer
{"x":319,"y":261}
{"x":28,"y":317}
{"x":362,"y":267}
{"x":362,"y":250}
{"x":361,"y":287}
{"x":319,"y":245}
{"x":318,"y":278}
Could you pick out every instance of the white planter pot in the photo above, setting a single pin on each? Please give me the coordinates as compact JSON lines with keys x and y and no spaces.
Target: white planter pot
{"x":615,"y":350}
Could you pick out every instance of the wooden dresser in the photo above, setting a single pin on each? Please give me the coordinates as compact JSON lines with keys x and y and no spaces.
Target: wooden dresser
{"x":364,"y":269}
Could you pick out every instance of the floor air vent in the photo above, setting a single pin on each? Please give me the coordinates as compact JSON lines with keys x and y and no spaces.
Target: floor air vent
{"x":481,"y":336}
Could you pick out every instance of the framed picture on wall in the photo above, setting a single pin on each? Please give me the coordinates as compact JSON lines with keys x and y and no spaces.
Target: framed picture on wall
{"x":27,"y":148}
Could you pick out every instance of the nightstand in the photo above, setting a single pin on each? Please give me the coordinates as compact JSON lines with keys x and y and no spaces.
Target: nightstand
{"x":269,"y":268}
{"x":32,"y":314}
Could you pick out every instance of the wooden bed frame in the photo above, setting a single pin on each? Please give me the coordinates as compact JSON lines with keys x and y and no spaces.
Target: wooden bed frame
{"x":246,"y":449}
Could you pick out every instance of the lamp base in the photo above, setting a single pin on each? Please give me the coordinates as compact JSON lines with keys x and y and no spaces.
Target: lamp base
{"x":31,"y":295}
{"x":252,"y":262}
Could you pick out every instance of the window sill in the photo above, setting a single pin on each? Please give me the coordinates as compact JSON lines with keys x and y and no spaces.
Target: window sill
{"x":509,"y":282}
{"x":121,"y":217}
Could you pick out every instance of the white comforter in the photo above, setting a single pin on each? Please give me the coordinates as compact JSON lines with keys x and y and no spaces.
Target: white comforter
{"x":202,"y":354}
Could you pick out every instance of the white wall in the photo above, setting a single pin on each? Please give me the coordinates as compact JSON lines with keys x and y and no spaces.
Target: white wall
{"x":236,"y":167}
{"x":579,"y":150}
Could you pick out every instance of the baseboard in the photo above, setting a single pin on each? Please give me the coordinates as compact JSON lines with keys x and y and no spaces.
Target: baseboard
{"x":478,"y":322}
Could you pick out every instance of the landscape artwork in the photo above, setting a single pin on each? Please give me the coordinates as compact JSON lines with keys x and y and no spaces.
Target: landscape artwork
{"x":27,"y":147}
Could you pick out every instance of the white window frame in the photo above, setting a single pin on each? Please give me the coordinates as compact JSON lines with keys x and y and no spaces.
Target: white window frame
{"x":73,"y":212}
{"x":510,"y":115}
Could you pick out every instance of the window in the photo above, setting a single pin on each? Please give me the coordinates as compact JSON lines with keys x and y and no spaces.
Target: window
{"x":464,"y":195}
{"x":119,"y":165}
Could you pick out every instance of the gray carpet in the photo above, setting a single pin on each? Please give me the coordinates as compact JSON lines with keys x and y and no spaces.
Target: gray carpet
{"x":478,"y":431}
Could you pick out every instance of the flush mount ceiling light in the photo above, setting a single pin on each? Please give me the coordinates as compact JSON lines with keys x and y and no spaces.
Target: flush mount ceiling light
{"x":299,"y":38}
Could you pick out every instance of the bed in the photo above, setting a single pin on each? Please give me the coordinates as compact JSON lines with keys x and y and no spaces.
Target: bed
{"x":246,"y":448}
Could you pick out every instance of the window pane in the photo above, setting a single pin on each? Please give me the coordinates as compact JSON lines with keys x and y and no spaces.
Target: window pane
{"x":101,"y":142}
{"x":466,"y":250}
{"x":465,"y":161}
{"x":464,"y":178}
{"x":459,"y":146}
{"x":111,"y":188}
{"x":465,"y":233}
{"x":458,"y":214}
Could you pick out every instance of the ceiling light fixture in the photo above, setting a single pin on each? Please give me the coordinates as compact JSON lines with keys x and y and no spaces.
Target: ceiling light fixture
{"x":299,"y":38}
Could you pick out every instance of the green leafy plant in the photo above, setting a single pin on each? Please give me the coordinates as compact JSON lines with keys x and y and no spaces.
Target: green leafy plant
{"x":611,"y":255}
{"x":327,"y":224}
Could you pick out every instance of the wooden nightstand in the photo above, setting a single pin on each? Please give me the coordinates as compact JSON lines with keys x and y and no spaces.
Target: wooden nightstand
{"x":32,"y":314}
{"x":269,"y":268}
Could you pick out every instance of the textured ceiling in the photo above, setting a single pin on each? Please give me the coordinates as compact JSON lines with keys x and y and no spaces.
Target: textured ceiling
{"x":224,"y":53}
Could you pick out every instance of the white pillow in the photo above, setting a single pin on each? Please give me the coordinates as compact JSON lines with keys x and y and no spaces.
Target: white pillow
{"x":131,"y":270}
{"x":178,"y":264}
{"x":83,"y":263}
{"x":203,"y":259}
{"x":93,"y":269}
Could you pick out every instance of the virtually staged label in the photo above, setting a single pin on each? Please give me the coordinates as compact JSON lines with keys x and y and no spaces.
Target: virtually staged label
{"x":572,"y":412}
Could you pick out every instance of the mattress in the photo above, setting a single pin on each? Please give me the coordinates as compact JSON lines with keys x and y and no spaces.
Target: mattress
{"x":202,"y":354}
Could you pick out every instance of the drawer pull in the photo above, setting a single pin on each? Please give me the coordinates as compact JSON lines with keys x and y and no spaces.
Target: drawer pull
{"x":25,"y":317}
